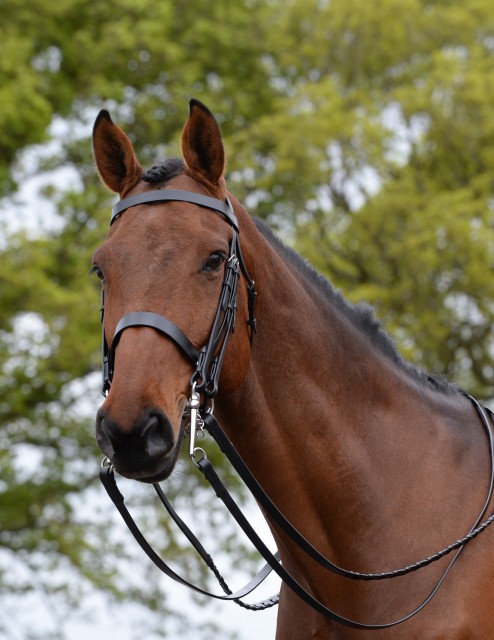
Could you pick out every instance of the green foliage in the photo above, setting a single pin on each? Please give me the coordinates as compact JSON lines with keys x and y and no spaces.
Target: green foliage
{"x":420,"y":250}
{"x":363,"y":131}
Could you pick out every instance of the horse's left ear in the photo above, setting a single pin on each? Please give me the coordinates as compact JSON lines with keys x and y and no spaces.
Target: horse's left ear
{"x":117,"y":164}
{"x":202,"y":145}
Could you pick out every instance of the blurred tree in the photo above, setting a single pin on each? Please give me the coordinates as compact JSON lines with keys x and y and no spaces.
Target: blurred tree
{"x":402,"y":216}
{"x":69,"y":59}
{"x":366,"y":139}
{"x":56,"y":536}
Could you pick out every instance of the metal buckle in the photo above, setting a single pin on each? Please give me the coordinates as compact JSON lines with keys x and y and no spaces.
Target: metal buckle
{"x":195,"y":427}
{"x":106,"y":462}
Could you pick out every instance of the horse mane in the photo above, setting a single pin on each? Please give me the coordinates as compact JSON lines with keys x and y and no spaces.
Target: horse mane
{"x":362,"y":315}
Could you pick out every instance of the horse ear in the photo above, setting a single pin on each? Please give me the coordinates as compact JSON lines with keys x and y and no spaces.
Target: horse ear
{"x":117,"y":165}
{"x":202,"y":145}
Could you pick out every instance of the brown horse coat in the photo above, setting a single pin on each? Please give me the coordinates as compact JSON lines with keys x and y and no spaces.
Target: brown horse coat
{"x":377,"y":464}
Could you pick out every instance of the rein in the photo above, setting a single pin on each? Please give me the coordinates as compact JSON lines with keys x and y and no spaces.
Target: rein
{"x":204,"y":380}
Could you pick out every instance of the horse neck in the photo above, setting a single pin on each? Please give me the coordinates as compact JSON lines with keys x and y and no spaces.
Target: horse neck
{"x":322,"y":417}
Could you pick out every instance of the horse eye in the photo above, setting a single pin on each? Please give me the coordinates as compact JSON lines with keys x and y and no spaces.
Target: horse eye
{"x":214,"y":262}
{"x":95,"y":269}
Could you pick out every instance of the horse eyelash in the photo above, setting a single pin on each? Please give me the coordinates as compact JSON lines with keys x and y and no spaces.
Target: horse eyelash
{"x":95,"y":269}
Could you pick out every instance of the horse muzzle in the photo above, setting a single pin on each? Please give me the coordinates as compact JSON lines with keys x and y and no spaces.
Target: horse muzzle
{"x":146,"y":452}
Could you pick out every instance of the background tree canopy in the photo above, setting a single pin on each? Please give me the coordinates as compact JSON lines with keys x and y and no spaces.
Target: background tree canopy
{"x":363,"y":132}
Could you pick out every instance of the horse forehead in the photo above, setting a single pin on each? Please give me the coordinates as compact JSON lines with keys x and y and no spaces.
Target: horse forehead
{"x":163,"y":224}
{"x":163,"y":227}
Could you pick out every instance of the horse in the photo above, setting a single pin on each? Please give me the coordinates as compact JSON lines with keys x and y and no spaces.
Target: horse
{"x":377,"y":463}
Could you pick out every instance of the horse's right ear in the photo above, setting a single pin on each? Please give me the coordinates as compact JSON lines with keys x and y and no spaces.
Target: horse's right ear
{"x":117,"y":164}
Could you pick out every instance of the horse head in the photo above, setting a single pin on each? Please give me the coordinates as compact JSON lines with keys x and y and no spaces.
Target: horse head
{"x":166,"y":258}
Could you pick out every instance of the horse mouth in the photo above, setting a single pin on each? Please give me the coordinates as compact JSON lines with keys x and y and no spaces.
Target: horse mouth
{"x":148,"y":453}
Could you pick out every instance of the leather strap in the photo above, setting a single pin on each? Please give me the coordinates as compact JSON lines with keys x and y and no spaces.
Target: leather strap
{"x":210,"y":474}
{"x":213,"y":427}
{"x":208,"y":560}
{"x":270,"y":509}
{"x":107,"y":478}
{"x":208,"y":369}
{"x":161,"y":324}
{"x":163,"y":195}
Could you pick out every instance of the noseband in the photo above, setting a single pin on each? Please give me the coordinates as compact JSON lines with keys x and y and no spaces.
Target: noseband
{"x":208,"y":360}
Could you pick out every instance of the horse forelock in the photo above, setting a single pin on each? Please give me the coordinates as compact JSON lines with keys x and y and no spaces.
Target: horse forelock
{"x":361,"y":315}
{"x":164,"y":171}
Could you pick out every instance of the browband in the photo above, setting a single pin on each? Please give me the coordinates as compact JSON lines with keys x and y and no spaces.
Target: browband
{"x":160,"y":195}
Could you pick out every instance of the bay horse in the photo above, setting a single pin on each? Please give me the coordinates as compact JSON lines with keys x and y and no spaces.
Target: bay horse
{"x":375,"y":462}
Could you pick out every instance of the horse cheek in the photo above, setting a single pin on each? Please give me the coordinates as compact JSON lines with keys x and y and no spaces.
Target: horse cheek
{"x":237,"y":361}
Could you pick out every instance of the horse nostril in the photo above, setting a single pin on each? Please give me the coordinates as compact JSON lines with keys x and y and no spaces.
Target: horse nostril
{"x":155,"y":434}
{"x":144,"y":449}
{"x":103,"y":437}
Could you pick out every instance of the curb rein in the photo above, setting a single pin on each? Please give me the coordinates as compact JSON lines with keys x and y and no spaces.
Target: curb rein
{"x":204,"y":381}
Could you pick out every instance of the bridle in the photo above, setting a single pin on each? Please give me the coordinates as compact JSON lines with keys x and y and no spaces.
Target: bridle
{"x":200,"y":415}
{"x":208,"y":360}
